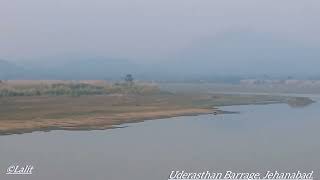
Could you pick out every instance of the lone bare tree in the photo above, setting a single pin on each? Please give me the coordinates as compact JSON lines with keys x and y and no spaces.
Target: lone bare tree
{"x":129,"y":79}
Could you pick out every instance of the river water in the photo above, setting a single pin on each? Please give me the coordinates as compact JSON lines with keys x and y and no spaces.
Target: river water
{"x":260,"y":138}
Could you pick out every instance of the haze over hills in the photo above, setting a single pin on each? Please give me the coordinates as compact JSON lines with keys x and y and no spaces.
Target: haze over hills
{"x":10,"y":70}
{"x":250,"y":53}
{"x":180,"y":40}
{"x":226,"y":57}
{"x":116,"y":69}
{"x":90,"y":68}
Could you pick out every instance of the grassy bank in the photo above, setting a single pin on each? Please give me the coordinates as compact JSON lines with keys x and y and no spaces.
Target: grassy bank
{"x":72,"y":88}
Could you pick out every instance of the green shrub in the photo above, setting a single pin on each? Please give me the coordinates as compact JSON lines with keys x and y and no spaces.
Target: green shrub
{"x":77,"y":89}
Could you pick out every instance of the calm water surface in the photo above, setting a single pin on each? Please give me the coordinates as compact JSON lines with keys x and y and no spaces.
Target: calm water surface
{"x":262,"y":137}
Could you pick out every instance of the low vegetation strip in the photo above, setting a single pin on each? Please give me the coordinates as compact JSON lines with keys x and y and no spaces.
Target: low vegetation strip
{"x":74,"y":89}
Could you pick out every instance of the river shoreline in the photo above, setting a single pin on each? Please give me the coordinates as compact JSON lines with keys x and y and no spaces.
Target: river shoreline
{"x":30,"y":114}
{"x":96,"y":123}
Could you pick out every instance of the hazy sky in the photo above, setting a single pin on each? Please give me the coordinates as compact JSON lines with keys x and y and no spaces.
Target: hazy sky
{"x":144,"y":29}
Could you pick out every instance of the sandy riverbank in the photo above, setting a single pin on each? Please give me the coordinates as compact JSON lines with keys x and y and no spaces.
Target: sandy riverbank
{"x":93,"y":123}
{"x":44,"y":113}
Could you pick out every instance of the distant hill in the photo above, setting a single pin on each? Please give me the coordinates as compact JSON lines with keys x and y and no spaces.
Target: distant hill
{"x":74,"y":69}
{"x":89,"y":68}
{"x":10,"y":70}
{"x":228,"y":57}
